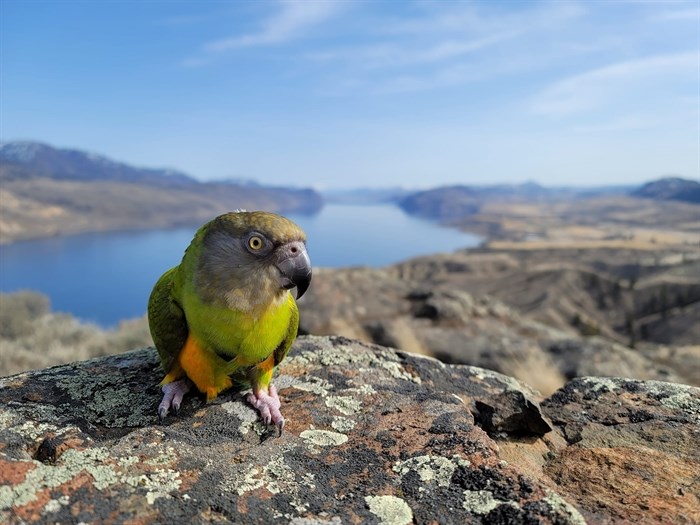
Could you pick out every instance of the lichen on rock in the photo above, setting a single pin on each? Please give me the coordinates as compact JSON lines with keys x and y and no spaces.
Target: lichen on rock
{"x":372,"y":436}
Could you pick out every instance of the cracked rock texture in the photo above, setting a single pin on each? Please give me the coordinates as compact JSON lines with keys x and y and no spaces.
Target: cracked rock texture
{"x":372,"y":436}
{"x":423,"y":306}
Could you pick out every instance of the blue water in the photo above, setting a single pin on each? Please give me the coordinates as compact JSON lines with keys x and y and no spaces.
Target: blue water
{"x":106,"y":277}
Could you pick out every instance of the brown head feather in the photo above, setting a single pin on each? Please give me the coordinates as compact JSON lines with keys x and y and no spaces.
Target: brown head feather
{"x":225,"y":270}
{"x":276,"y":228}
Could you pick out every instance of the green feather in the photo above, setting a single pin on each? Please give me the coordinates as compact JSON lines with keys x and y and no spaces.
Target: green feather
{"x":166,"y":320}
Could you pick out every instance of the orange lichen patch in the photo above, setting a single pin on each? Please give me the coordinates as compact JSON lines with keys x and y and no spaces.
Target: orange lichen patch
{"x":409,"y":424}
{"x":15,"y":382}
{"x":621,"y":482}
{"x":528,"y":454}
{"x":32,"y":511}
{"x":33,"y":397}
{"x":14,"y":472}
{"x":82,"y":479}
{"x":263,"y":493}
{"x":188,"y":478}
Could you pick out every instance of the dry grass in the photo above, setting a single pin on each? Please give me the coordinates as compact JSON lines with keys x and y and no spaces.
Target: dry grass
{"x":604,"y":236}
{"x":618,"y":222}
{"x":33,"y":338}
{"x":578,"y":244}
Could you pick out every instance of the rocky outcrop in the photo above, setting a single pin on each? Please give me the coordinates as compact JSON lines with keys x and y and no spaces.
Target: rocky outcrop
{"x":633,"y":448}
{"x":372,"y":436}
{"x":422,"y":306}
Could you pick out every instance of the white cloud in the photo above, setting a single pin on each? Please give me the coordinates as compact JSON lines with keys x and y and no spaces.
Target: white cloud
{"x":291,"y":21}
{"x":468,"y":17}
{"x":614,"y":82}
{"x":450,"y":49}
{"x":399,"y":55}
{"x":452,"y":44}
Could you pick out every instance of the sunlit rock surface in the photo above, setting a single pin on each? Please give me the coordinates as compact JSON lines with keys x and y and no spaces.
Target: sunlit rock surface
{"x":372,"y":436}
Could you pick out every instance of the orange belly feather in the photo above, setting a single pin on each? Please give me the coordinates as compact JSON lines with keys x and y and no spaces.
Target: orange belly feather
{"x":208,"y":371}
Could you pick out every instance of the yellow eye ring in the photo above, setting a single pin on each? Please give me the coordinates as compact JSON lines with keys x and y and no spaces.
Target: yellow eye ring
{"x":255,"y":242}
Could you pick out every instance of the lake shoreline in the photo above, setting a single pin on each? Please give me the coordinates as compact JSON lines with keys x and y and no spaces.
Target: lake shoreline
{"x":105,"y":276}
{"x":38,"y":235}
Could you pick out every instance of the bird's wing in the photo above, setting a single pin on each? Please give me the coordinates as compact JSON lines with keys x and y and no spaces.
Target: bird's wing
{"x":282,"y":350}
{"x":167,"y":320}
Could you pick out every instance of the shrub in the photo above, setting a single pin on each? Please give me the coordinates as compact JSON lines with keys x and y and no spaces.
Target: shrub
{"x":18,"y":310}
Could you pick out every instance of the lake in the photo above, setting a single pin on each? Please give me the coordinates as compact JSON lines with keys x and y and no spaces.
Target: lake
{"x":107,"y":277}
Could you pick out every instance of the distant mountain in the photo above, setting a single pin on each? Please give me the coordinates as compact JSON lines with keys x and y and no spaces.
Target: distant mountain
{"x":33,"y":159}
{"x":48,"y":191}
{"x":443,"y":204}
{"x":449,"y":203}
{"x":456,"y":203}
{"x":670,"y":188}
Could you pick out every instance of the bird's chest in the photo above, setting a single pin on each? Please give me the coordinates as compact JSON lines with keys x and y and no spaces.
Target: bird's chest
{"x":249,"y":337}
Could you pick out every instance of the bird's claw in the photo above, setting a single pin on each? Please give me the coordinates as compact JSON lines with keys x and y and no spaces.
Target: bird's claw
{"x":172,"y":397}
{"x":268,"y":405}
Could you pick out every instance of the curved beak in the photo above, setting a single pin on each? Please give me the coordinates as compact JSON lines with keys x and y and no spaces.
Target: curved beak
{"x":294,"y":266}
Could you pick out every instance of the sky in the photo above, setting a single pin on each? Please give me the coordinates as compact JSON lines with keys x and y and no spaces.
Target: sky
{"x":353,"y":93}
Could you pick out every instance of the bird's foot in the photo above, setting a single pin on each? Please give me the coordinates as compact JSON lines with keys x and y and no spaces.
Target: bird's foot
{"x":172,"y":396}
{"x":268,"y":404}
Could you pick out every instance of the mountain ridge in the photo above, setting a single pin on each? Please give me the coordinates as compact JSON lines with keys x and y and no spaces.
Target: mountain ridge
{"x":459,"y":201}
{"x":49,"y":191}
{"x":43,"y":160}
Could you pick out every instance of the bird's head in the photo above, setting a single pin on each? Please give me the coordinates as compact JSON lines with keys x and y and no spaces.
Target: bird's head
{"x":251,"y":258}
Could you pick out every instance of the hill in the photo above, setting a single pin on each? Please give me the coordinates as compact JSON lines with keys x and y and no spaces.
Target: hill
{"x":670,"y":188}
{"x":531,"y":217}
{"x":449,"y":203}
{"x":442,"y":204}
{"x":47,"y":191}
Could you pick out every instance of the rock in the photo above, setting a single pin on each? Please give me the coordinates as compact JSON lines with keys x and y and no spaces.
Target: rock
{"x":596,"y":356}
{"x":634,"y":453}
{"x":372,"y":436}
{"x":422,"y":306}
{"x":512,"y":412}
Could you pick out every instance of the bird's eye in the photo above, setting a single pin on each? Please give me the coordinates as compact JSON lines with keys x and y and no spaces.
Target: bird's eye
{"x":255,"y":243}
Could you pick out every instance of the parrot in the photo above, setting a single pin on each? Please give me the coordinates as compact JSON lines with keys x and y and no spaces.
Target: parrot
{"x":225,"y":316}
